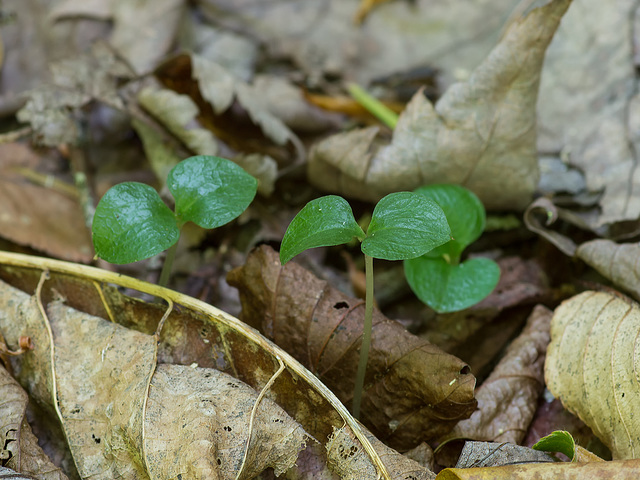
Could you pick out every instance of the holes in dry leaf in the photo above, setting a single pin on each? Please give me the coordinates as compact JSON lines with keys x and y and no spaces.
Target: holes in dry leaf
{"x":279,"y":420}
{"x":346,"y":453}
{"x":232,"y":385}
{"x":340,"y":305}
{"x":219,"y":462}
{"x":96,"y":439}
{"x":227,"y":428}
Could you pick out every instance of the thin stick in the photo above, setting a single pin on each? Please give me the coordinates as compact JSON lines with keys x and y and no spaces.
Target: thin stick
{"x":366,"y":339}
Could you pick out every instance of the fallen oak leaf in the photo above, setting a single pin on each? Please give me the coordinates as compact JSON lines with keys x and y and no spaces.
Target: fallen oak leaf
{"x":414,"y":390}
{"x":480,"y":134}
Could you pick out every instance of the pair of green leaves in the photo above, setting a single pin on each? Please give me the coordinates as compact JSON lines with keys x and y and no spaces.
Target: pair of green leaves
{"x":132,"y":222}
{"x":428,"y":228}
{"x":438,"y":278}
{"x":403,"y":225}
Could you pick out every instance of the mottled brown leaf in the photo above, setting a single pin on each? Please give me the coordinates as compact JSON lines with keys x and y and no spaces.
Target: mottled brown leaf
{"x":414,"y":390}
{"x":592,"y":366}
{"x":508,"y":398}
{"x":480,"y":134}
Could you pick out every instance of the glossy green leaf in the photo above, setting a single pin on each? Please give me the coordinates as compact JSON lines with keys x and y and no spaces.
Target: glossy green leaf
{"x":322,"y":222}
{"x":449,"y":288}
{"x":210,"y":191}
{"x":405,"y":225}
{"x":465,"y":214}
{"x":558,"y":441}
{"x":132,"y":223}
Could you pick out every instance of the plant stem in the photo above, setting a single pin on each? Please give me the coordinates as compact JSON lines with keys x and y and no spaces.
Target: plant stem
{"x":168,"y":263}
{"x":366,"y":339}
{"x":373,"y":105}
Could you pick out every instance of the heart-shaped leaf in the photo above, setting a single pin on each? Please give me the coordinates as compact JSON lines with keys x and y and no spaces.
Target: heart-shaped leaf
{"x":210,"y":191}
{"x":449,"y":288}
{"x":323,"y":222}
{"x":405,"y":225}
{"x":465,"y":214}
{"x":132,"y":223}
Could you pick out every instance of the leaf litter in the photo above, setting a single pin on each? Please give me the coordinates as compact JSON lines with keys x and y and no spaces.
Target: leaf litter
{"x":602,"y":140}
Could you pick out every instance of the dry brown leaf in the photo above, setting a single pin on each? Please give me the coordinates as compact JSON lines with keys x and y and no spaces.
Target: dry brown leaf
{"x":122,"y":423}
{"x":20,"y":450}
{"x":494,"y":454}
{"x":620,"y":470}
{"x":591,"y":366}
{"x":480,"y":134}
{"x":43,"y":218}
{"x":414,"y":390}
{"x":508,"y":398}
{"x":194,"y":333}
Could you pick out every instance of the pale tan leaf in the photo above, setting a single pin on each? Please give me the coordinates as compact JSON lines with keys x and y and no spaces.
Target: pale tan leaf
{"x":592,"y":366}
{"x":480,"y":134}
{"x":494,"y":454}
{"x":508,"y":398}
{"x":217,"y":408}
{"x":263,"y":168}
{"x":620,"y":263}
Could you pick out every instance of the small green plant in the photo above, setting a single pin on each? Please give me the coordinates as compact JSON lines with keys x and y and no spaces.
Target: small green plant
{"x":403,"y":225}
{"x":437,"y":277}
{"x":132,"y":222}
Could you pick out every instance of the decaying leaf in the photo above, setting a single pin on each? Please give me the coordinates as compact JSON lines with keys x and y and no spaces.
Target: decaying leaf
{"x":124,"y":420}
{"x":480,"y":134}
{"x":494,"y":454}
{"x":619,"y":262}
{"x":20,"y":450}
{"x":508,"y":398}
{"x":591,"y":366}
{"x":626,"y":469}
{"x":414,"y":390}
{"x":75,"y":82}
{"x":194,"y":334}
{"x":44,"y":218}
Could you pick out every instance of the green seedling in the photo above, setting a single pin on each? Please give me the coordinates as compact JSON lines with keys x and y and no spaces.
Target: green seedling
{"x":438,"y":278}
{"x":403,"y":225}
{"x":132,"y":222}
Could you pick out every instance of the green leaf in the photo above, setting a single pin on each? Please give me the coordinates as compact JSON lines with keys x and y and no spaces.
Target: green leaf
{"x":210,"y":191}
{"x":449,"y":288}
{"x":465,"y":214}
{"x":132,"y":223}
{"x":558,"y":441}
{"x":322,"y":222}
{"x":405,"y":225}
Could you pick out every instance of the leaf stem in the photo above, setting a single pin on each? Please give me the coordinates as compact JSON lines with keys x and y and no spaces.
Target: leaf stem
{"x":366,"y":339}
{"x":167,"y":265}
{"x":373,"y":105}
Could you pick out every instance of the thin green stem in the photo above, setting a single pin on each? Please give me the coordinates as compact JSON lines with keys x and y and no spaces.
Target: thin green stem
{"x":373,"y":105}
{"x":366,"y":339}
{"x":163,"y":281}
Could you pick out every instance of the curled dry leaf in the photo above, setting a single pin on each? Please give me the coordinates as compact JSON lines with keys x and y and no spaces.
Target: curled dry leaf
{"x":508,"y":398}
{"x":194,"y":334}
{"x":20,"y":450}
{"x":414,"y":390}
{"x":480,"y":134}
{"x":592,"y":365}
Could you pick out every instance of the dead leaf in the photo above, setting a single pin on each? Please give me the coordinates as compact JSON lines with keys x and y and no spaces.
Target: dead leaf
{"x":20,"y":450}
{"x":75,"y":82}
{"x":414,"y":391}
{"x":617,"y":262}
{"x":142,"y":32}
{"x":194,"y":333}
{"x":43,"y":218}
{"x":591,"y":366}
{"x":473,"y":136}
{"x":627,"y":469}
{"x":508,"y":398}
{"x":494,"y":454}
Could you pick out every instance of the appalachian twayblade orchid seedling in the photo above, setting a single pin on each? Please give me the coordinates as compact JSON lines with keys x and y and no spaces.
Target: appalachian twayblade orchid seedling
{"x":403,"y":225}
{"x":132,"y":222}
